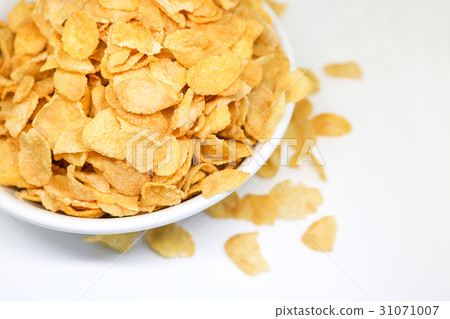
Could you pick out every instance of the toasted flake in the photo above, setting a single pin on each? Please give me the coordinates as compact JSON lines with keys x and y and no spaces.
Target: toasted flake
{"x":70,"y":140}
{"x":295,"y":201}
{"x":80,"y":36}
{"x":170,"y":241}
{"x":243,"y":249}
{"x":9,"y":164}
{"x":28,"y":39}
{"x":160,"y":194}
{"x":348,"y":70}
{"x":20,"y":114}
{"x":321,"y":234}
{"x":272,"y":165}
{"x":35,"y":159}
{"x":128,"y":5}
{"x":70,"y":84}
{"x":134,"y":36}
{"x":120,"y":242}
{"x":296,"y":85}
{"x":23,"y":89}
{"x":221,"y":181}
{"x":214,"y":74}
{"x":327,"y":124}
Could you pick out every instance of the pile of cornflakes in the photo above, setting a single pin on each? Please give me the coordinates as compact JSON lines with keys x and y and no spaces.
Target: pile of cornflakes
{"x":88,"y":87}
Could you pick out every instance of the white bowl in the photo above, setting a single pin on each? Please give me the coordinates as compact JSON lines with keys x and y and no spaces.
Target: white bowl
{"x":36,"y":215}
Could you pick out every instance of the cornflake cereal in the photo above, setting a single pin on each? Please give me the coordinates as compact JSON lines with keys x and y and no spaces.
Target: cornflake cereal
{"x":320,"y":235}
{"x":104,"y":103}
{"x":243,"y":249}
{"x":348,"y":70}
{"x":119,"y":242}
{"x":170,"y":241}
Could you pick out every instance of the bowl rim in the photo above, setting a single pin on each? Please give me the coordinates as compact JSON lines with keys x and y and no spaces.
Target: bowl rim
{"x":16,"y":207}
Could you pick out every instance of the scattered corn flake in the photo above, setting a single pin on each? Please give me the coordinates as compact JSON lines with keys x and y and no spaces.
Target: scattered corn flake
{"x":120,"y":242}
{"x":272,"y":165}
{"x":321,"y":234}
{"x":35,"y":158}
{"x":80,"y":36}
{"x":348,"y":70}
{"x":313,"y":79}
{"x":170,"y":241}
{"x":226,"y":208}
{"x":221,"y":181}
{"x":295,"y":201}
{"x":243,"y":249}
{"x":296,"y":85}
{"x":327,"y":124}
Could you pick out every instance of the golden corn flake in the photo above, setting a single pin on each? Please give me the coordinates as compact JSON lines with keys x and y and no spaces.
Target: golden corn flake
{"x":102,"y":135}
{"x":295,"y":201}
{"x":160,"y":194}
{"x":58,"y":114}
{"x":28,"y":39}
{"x":80,"y":36}
{"x":243,"y":249}
{"x":214,"y":74}
{"x":348,"y":70}
{"x":71,"y":139}
{"x":296,"y":85}
{"x":170,"y":241}
{"x":221,"y":181}
{"x":23,"y":89}
{"x":35,"y":158}
{"x":320,"y":235}
{"x":71,"y":85}
{"x":313,"y":79}
{"x":120,"y":242}
{"x":20,"y":114}
{"x":327,"y":124}
{"x":272,"y":165}
{"x":128,"y":5}
{"x":20,"y":14}
{"x":134,"y":36}
{"x":226,"y":208}
{"x":9,"y":164}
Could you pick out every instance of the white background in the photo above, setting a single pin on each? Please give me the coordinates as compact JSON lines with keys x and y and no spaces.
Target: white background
{"x":388,"y":184}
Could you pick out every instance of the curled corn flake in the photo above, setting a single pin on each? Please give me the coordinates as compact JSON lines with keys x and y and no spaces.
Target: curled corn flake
{"x":119,"y":242}
{"x":80,"y":36}
{"x":348,"y":70}
{"x":296,"y":85}
{"x":20,"y":114}
{"x":313,"y":79}
{"x":170,"y":241}
{"x":243,"y":249}
{"x":321,"y":234}
{"x":214,"y":74}
{"x":35,"y":159}
{"x":221,"y":181}
{"x":327,"y":124}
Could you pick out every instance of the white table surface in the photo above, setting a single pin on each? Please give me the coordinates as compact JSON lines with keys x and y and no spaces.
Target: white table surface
{"x":388,"y":184}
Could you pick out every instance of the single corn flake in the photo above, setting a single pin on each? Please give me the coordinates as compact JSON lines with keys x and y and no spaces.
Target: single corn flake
{"x":214,"y":74}
{"x":221,"y":181}
{"x":20,"y":114}
{"x":134,"y":36}
{"x":159,"y":194}
{"x":9,"y":164}
{"x":295,"y":201}
{"x":23,"y":89}
{"x":80,"y":36}
{"x":347,"y":70}
{"x":327,"y":124}
{"x":272,"y":165}
{"x":70,"y":84}
{"x":277,"y":7}
{"x":226,"y":208}
{"x":321,"y":234}
{"x":71,"y":139}
{"x":170,"y":241}
{"x":120,"y":242}
{"x":296,"y":85}
{"x":243,"y":249}
{"x":35,"y":158}
{"x":29,"y":40}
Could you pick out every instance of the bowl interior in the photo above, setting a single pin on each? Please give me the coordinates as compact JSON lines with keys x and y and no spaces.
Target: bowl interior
{"x":35,"y":214}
